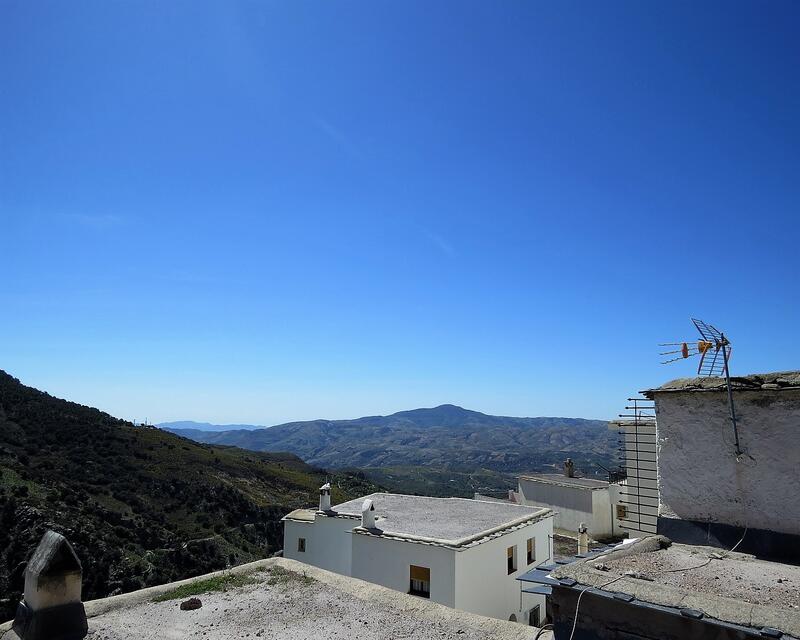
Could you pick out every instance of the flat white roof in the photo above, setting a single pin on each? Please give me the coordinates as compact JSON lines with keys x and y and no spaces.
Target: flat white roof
{"x":447,"y":521}
{"x":561,"y":479}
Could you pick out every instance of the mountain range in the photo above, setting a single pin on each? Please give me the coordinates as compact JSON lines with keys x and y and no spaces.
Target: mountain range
{"x":141,"y":506}
{"x":446,"y":436}
{"x":207,"y":426}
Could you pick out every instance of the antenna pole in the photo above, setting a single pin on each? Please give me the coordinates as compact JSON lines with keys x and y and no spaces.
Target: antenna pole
{"x":730,"y":394}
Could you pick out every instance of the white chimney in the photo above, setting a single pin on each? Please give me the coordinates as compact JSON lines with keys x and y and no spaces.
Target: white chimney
{"x":368,"y":514}
{"x":583,"y":539}
{"x":325,"y":497}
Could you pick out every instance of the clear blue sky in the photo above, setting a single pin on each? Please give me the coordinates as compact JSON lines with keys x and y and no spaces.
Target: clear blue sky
{"x":256,"y":212}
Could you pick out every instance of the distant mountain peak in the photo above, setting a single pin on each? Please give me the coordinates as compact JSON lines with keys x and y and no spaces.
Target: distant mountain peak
{"x":439,"y":436}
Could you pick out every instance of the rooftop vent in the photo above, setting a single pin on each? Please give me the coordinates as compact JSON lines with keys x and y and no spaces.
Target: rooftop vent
{"x":51,"y":607}
{"x":325,"y":497}
{"x":368,"y":514}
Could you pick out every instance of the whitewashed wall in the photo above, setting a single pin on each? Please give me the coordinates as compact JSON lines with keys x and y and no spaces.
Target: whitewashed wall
{"x":614,"y":497}
{"x":600,"y":526}
{"x":328,"y":544}
{"x":483,"y":585}
{"x":699,"y":477}
{"x":571,"y":504}
{"x":638,"y":493}
{"x":474,"y":579}
{"x":387,"y":562}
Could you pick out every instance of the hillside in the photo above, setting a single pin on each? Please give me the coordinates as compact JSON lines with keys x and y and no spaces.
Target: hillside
{"x":444,"y":483}
{"x":141,"y":506}
{"x":444,"y":437}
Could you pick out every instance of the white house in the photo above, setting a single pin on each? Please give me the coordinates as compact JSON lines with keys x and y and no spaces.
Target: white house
{"x":458,"y":552}
{"x":574,"y":501}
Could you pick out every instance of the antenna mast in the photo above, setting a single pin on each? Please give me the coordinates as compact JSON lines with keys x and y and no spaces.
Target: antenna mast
{"x":710,"y":347}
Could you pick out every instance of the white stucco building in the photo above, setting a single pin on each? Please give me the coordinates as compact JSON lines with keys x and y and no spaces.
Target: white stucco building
{"x":573,"y":500}
{"x":458,"y":552}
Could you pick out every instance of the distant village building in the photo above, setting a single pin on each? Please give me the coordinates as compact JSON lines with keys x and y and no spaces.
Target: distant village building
{"x":573,"y":500}
{"x":458,"y":552}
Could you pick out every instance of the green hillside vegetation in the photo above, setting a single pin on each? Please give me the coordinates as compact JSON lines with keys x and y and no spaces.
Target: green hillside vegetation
{"x":141,"y":506}
{"x":445,"y":483}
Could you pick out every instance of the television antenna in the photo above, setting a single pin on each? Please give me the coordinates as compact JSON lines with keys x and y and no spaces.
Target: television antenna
{"x":714,"y":350}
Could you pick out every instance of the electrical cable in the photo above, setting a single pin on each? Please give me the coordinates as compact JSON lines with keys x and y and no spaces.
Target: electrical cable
{"x":580,"y":595}
{"x":724,"y":554}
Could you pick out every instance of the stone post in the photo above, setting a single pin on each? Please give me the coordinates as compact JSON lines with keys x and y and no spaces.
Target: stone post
{"x":51,"y":608}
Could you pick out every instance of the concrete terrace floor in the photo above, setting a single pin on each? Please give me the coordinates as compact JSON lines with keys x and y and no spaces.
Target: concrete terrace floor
{"x":736,"y":575}
{"x":323,"y":605}
{"x":729,"y":586}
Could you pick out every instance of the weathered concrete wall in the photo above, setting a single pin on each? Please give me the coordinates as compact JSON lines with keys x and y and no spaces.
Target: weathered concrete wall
{"x":602,"y":617}
{"x":699,"y":476}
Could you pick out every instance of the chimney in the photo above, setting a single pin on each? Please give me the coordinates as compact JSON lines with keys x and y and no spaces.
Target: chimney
{"x":325,"y":497}
{"x":569,"y":468}
{"x":583,"y":539}
{"x":368,"y":514}
{"x":51,"y":606}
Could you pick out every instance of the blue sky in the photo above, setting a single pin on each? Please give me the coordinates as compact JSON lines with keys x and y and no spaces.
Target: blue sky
{"x":257,"y":212}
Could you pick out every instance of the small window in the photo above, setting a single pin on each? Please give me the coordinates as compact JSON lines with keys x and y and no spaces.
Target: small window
{"x":420,"y":584}
{"x":301,"y":545}
{"x":531,"y":550}
{"x":534,"y":617}
{"x":622,"y":511}
{"x":511,"y":559}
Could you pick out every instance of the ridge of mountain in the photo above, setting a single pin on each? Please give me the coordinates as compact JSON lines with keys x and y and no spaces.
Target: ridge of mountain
{"x":207,"y":426}
{"x":447,"y":436}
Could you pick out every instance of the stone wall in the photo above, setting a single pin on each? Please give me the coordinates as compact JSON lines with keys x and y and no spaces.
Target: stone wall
{"x":699,"y":475}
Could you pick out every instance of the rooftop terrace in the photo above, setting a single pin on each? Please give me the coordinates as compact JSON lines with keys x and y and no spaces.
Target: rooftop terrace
{"x":561,"y":479}
{"x":286,"y":600}
{"x":449,"y":521}
{"x":730,"y":587}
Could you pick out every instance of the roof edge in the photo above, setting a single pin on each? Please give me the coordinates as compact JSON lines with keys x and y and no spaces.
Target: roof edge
{"x":460,"y":543}
{"x":774,"y":381}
